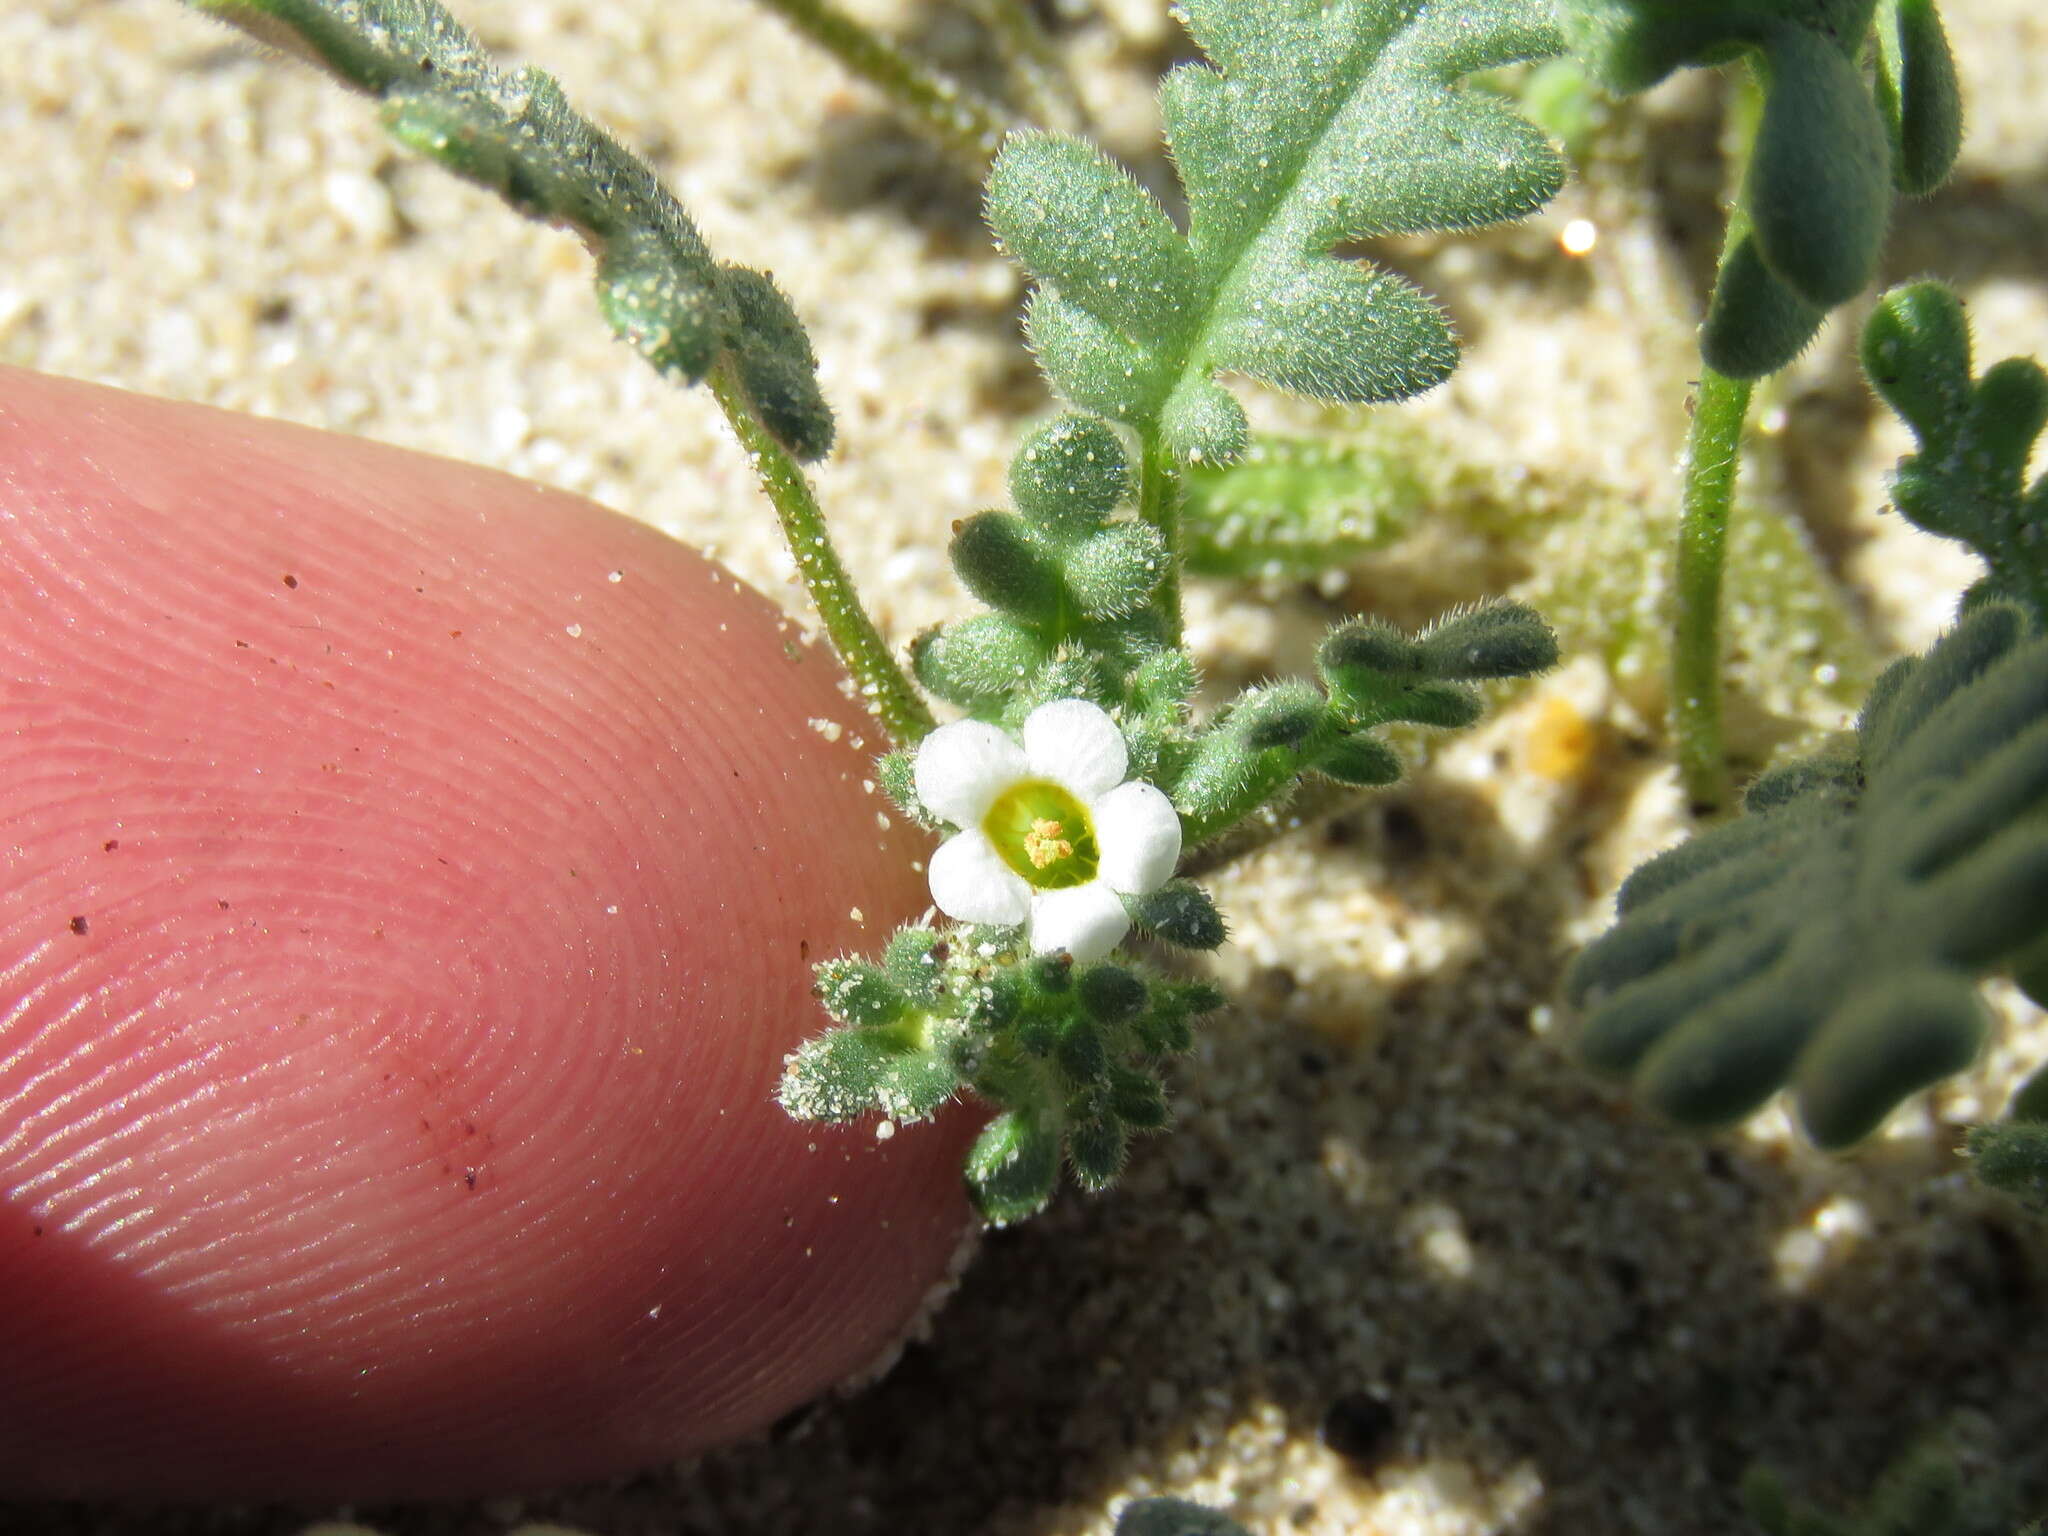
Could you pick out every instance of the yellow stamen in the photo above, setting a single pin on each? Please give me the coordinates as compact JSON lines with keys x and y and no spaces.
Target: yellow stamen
{"x":1043,"y":843}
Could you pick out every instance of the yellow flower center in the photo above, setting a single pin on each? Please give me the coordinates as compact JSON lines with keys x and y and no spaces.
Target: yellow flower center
{"x":1044,"y":834}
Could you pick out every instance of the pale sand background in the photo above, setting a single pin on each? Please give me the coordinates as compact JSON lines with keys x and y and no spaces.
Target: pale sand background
{"x":1386,"y":1179}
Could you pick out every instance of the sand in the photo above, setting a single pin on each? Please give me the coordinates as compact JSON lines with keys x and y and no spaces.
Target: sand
{"x":1400,"y":1267}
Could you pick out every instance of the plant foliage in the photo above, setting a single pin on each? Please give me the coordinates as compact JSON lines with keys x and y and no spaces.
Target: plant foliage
{"x":2012,"y":1155}
{"x":1072,"y":1056}
{"x":1831,"y":937}
{"x":1926,"y":1492}
{"x":1298,"y":507}
{"x":1968,"y":480}
{"x":1174,"y":1517}
{"x":516,"y":135}
{"x":1312,"y":125}
{"x":1830,"y":150}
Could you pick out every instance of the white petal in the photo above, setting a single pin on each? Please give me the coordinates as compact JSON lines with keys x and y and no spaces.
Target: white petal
{"x":970,"y":881}
{"x":1077,"y":746}
{"x":1137,"y":833}
{"x":962,"y":767}
{"x":1087,"y":921}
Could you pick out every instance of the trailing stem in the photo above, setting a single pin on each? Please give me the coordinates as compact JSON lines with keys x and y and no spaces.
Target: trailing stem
{"x":862,"y":650}
{"x":968,"y":126}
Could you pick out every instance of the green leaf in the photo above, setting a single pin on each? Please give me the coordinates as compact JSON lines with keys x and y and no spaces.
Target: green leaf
{"x":1071,"y":474}
{"x":844,"y":1073}
{"x":1313,"y":126}
{"x":1297,"y":507}
{"x":1174,"y":1517}
{"x":1180,"y":913}
{"x":1919,"y":95}
{"x":1968,"y":479}
{"x":1012,"y":1167}
{"x":1830,"y":938}
{"x":517,"y":136}
{"x":1817,"y":192}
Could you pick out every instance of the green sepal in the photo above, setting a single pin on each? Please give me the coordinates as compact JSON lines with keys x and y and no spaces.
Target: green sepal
{"x":1494,"y":640}
{"x":1164,"y":1029}
{"x":1918,"y":93}
{"x":896,"y":774}
{"x":855,"y":992}
{"x":1162,"y":685}
{"x":1071,"y":474}
{"x":1072,"y":674}
{"x":1051,"y":974}
{"x":1179,"y":913}
{"x":1012,"y":1167}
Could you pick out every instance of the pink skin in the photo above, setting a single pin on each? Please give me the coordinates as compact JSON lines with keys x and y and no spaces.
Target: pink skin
{"x":402,"y":924}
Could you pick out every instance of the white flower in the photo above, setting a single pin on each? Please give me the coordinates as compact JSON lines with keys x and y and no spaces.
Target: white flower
{"x":1050,"y":834}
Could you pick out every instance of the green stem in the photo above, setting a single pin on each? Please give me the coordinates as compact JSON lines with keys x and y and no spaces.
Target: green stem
{"x":1036,"y":71}
{"x":1712,"y":452}
{"x":1159,"y":499}
{"x":969,"y":126}
{"x":862,"y":650}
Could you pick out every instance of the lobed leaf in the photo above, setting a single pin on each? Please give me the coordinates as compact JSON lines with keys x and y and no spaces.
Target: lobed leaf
{"x":517,"y":136}
{"x":1310,"y":127}
{"x":1830,"y":939}
{"x":1828,"y":152}
{"x":1976,"y":434}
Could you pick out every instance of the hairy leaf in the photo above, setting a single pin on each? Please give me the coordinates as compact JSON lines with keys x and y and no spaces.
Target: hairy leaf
{"x":1297,"y":507}
{"x":517,"y":136}
{"x":1968,"y":481}
{"x":1312,"y":125}
{"x":1831,"y":937}
{"x":1828,"y":153}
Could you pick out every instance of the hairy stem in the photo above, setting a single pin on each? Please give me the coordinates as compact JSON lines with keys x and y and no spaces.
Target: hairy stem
{"x":1159,"y":503}
{"x":1712,"y":450}
{"x":968,"y":126}
{"x":862,"y":650}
